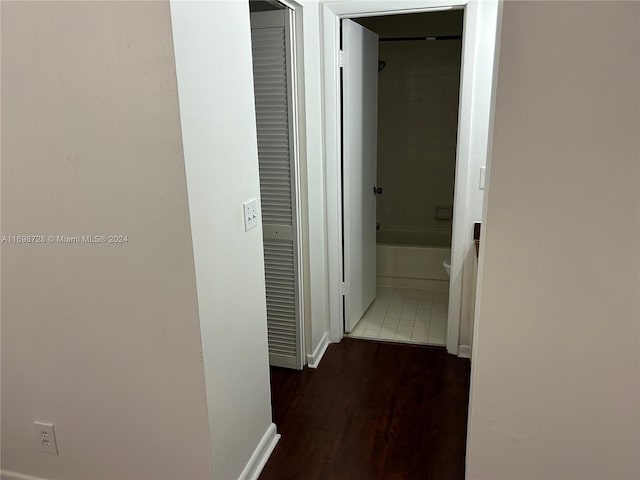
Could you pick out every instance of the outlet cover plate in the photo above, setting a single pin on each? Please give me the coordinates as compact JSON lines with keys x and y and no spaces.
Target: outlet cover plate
{"x":45,"y":437}
{"x":251,"y":220}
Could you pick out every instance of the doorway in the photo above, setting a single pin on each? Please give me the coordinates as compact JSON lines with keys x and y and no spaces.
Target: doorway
{"x":417,"y":70}
{"x":275,"y":90}
{"x":476,"y":83}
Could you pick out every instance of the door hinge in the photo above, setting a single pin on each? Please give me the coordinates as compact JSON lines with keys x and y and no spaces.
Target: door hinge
{"x":342,"y":288}
{"x":340,"y":58}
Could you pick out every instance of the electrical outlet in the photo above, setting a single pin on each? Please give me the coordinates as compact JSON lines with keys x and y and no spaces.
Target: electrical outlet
{"x":45,"y":437}
{"x":251,"y":219}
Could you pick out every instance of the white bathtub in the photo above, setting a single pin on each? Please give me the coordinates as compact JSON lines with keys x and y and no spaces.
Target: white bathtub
{"x":412,"y":266}
{"x":432,"y":237}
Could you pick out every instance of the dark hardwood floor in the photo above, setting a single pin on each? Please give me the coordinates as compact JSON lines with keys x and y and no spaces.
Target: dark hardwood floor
{"x":371,"y":410}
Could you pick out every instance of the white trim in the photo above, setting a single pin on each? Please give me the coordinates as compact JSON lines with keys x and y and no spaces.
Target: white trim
{"x":331,"y":42}
{"x":464,"y":351}
{"x":299,"y":150}
{"x":7,"y":475}
{"x":313,"y":360}
{"x":332,"y":13}
{"x":373,"y":8}
{"x":261,"y":454}
{"x":461,"y":235}
{"x":291,"y":35}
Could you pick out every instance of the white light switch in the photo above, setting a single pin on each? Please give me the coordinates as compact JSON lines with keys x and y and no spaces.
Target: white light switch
{"x":45,"y":437}
{"x":251,"y":219}
{"x":482,"y":174}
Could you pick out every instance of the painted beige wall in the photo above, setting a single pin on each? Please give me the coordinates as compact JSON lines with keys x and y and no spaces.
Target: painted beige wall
{"x":102,"y":340}
{"x":555,"y":385}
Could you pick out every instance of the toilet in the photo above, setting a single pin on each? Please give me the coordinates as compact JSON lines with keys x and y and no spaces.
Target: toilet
{"x":447,"y":266}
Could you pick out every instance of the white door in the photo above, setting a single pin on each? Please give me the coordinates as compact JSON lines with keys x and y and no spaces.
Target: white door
{"x":359,"y":140}
{"x":273,"y":84}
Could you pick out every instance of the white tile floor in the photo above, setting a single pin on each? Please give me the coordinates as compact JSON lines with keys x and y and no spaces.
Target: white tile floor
{"x":406,"y":315}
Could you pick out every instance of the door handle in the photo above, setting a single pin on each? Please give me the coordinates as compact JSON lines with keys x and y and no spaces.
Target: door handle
{"x":377,"y":190}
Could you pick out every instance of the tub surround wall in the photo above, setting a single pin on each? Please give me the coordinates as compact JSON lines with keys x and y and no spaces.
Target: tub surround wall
{"x":417,"y":125}
{"x":412,"y":237}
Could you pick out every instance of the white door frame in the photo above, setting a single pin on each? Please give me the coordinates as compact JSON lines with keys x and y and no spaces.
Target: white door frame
{"x":333,"y":12}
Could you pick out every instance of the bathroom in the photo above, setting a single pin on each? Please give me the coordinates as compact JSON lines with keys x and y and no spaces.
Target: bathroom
{"x":418,"y":103}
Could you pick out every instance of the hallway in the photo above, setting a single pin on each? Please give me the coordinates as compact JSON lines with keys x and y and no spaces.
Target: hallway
{"x":372,"y":410}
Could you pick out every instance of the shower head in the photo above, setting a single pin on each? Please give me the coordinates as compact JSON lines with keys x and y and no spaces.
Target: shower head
{"x":381,"y":65}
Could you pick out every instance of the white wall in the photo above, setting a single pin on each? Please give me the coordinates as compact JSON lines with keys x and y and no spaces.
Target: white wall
{"x":102,"y":340}
{"x":215,"y":83}
{"x":555,"y":383}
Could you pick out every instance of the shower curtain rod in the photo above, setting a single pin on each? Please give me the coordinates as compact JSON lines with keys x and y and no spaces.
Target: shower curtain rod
{"x":413,"y":39}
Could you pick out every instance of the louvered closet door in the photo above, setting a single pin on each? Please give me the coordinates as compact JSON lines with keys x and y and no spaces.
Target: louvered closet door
{"x":272,"y":82}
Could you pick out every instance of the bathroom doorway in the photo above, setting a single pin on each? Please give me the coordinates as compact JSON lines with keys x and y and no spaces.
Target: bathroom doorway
{"x":418,"y":89}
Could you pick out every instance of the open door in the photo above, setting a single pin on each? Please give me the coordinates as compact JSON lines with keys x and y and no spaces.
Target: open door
{"x":359,"y":140}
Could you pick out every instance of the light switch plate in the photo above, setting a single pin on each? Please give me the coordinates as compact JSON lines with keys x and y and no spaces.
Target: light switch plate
{"x":251,"y":219}
{"x":45,"y":437}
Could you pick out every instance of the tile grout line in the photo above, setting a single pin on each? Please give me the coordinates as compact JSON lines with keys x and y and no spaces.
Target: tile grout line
{"x":402,"y":298}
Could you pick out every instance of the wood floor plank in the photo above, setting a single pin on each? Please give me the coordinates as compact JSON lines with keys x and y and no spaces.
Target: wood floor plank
{"x":372,"y":410}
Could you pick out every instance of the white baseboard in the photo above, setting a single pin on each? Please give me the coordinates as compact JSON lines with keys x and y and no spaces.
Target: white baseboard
{"x":464,"y":351}
{"x":7,"y":475}
{"x":313,"y":360}
{"x":261,"y":454}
